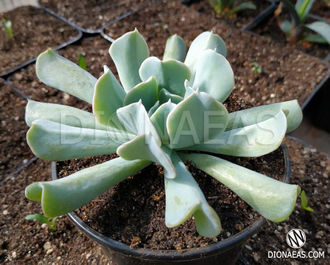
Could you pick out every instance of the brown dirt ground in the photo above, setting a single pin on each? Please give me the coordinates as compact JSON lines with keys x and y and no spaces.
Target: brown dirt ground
{"x":31,"y":28}
{"x":287,"y":73}
{"x":91,"y":14}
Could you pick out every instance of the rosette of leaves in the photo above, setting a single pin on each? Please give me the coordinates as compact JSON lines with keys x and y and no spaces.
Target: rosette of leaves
{"x":160,"y":109}
{"x":295,"y":30}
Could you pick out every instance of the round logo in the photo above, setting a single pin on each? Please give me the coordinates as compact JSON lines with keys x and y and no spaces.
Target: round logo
{"x":296,"y":238}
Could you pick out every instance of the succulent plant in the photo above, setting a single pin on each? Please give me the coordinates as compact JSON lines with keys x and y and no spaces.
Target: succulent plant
{"x":161,"y":109}
{"x":295,"y":30}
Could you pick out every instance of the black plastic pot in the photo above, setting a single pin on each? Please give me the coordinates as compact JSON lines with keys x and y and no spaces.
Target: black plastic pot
{"x":224,"y":252}
{"x":10,"y":71}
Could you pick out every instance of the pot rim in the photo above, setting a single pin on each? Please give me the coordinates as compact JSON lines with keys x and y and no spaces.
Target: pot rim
{"x":194,"y":253}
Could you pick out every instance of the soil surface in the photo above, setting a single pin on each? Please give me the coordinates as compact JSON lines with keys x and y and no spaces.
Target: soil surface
{"x":310,"y":170}
{"x":14,"y":151}
{"x":321,"y":9}
{"x":90,"y":14}
{"x":239,"y":19}
{"x":34,"y":31}
{"x":286,"y":73}
{"x":95,"y":51}
{"x":133,"y":212}
{"x":28,"y":242}
{"x":271,"y":29}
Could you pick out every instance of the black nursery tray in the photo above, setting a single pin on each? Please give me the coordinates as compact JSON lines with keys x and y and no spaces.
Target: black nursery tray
{"x":34,"y":31}
{"x":91,"y":16}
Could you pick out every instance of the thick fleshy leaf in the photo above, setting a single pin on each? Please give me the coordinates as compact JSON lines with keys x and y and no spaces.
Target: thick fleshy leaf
{"x":170,"y":74}
{"x":135,"y":119}
{"x":68,"y":194}
{"x":214,"y":75}
{"x":145,"y":147}
{"x":314,"y":38}
{"x":159,"y":121}
{"x":128,"y":52}
{"x":62,"y":114}
{"x":165,"y":96}
{"x":197,"y":119}
{"x":108,"y":97}
{"x":303,"y":7}
{"x":203,"y":42}
{"x":58,"y":142}
{"x":322,"y":28}
{"x":250,"y":141}
{"x":58,"y":72}
{"x":252,"y":116}
{"x":153,"y":109}
{"x":184,"y":199}
{"x":175,"y":49}
{"x":146,"y":91}
{"x":273,"y":199}
{"x":189,"y":89}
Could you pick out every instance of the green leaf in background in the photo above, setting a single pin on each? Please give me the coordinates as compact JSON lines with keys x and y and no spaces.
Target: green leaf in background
{"x":304,"y":202}
{"x":82,"y":61}
{"x":240,"y":7}
{"x":43,"y":219}
{"x":8,"y":27}
{"x":322,"y":28}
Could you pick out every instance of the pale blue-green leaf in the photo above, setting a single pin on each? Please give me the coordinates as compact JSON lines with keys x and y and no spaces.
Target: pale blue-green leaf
{"x":153,"y":109}
{"x":254,"y":115}
{"x":146,"y":91}
{"x":58,"y":142}
{"x":273,"y":199}
{"x":128,"y":52}
{"x":175,"y":49}
{"x":250,"y":141}
{"x":189,"y":89}
{"x":135,"y":119}
{"x":196,"y":119}
{"x":108,"y":97}
{"x":184,"y":199}
{"x":286,"y":27}
{"x":322,"y":28}
{"x":214,"y":75}
{"x":170,"y":74}
{"x":58,"y":72}
{"x":165,"y":96}
{"x":314,"y":38}
{"x":203,"y":42}
{"x":68,"y":194}
{"x":303,"y":7}
{"x":159,"y":118}
{"x":61,"y":114}
{"x":145,"y":147}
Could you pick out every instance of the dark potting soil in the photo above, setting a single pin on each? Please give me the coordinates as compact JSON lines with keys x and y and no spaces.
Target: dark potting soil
{"x":310,"y":170}
{"x":34,"y":31}
{"x":133,"y":212}
{"x":14,"y":151}
{"x":91,"y":14}
{"x":321,"y":9}
{"x":28,"y":242}
{"x":270,"y":28}
{"x":237,"y":20}
{"x":286,"y":73}
{"x":95,"y":51}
